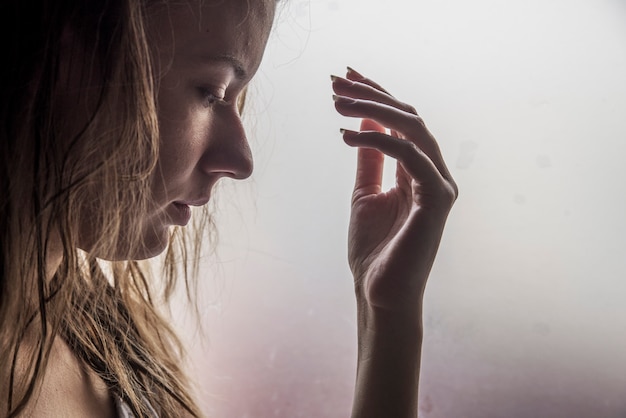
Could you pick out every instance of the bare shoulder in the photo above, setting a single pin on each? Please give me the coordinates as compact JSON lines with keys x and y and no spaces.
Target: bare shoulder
{"x":69,"y":389}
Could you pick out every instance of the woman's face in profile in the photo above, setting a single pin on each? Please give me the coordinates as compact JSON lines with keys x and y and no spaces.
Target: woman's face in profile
{"x":205,"y":53}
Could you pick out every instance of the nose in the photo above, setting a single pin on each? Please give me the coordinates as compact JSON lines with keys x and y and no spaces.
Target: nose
{"x":228,"y":153}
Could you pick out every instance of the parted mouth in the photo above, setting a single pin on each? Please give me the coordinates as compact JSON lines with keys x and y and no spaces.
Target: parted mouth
{"x":181,"y":213}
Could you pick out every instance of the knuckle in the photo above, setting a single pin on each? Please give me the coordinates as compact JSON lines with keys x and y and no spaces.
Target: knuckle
{"x":445,"y":193}
{"x":452,"y":192}
{"x":410,"y":109}
{"x":455,"y":189}
{"x":417,"y":120}
{"x":410,"y":147}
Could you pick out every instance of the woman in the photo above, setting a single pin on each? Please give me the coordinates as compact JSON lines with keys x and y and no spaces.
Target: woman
{"x":117,"y":116}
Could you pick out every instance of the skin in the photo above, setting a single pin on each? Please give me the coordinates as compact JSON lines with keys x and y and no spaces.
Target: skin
{"x":208,"y":59}
{"x":393,"y":240}
{"x":393,"y":236}
{"x":202,"y":140}
{"x":205,"y":55}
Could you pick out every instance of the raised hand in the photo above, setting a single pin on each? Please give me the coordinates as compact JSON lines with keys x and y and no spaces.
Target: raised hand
{"x":394,"y":235}
{"x":393,"y":240}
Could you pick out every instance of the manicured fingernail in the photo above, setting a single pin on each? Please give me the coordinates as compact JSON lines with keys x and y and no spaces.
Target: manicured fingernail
{"x":355,"y":74}
{"x":341,"y":80}
{"x":343,"y":99}
{"x":348,"y":131}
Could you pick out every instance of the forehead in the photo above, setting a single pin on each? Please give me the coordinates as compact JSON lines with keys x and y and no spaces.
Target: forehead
{"x":197,"y":29}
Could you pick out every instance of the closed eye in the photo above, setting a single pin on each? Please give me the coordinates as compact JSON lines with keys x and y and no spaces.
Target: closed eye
{"x":209,"y":97}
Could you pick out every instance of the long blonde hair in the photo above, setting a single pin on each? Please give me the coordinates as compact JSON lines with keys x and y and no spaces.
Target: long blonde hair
{"x":110,"y":321}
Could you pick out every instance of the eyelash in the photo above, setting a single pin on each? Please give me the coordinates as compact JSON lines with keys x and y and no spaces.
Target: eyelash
{"x":209,"y":98}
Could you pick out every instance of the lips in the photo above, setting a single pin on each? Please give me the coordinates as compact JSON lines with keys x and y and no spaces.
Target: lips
{"x":181,"y":213}
{"x":198,"y":202}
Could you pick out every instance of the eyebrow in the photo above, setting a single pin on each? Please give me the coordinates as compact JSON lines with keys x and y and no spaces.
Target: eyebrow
{"x":237,"y":65}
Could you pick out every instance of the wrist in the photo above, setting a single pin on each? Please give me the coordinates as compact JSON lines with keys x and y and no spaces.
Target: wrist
{"x":389,"y":351}
{"x":379,"y":328}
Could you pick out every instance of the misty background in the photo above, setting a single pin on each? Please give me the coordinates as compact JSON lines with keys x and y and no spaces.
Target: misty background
{"x":525,"y":309}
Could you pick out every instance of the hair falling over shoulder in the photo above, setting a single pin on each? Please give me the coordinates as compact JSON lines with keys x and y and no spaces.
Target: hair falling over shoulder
{"x":110,"y":321}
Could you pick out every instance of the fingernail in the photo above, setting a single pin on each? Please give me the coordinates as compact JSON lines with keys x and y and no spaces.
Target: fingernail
{"x":355,"y":74}
{"x":341,"y":80}
{"x":343,"y":99}
{"x":348,"y":131}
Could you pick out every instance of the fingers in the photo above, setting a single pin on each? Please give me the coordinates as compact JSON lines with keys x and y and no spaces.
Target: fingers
{"x":353,"y":75}
{"x":371,"y":125}
{"x":413,"y":160}
{"x":408,"y":125}
{"x":359,"y":90}
{"x":370,"y":161}
{"x":390,"y":116}
{"x":358,"y":96}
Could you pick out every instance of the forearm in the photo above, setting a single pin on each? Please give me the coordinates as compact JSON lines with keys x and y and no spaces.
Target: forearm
{"x":388,"y":364}
{"x":392,"y":241}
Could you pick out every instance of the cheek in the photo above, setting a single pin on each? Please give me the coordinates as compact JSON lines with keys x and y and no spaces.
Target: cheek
{"x":140,"y":235}
{"x":181,"y":146}
{"x":183,"y":131}
{"x":154,"y":240}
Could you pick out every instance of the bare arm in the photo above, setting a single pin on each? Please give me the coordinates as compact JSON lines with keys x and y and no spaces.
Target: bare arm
{"x":393,"y":240}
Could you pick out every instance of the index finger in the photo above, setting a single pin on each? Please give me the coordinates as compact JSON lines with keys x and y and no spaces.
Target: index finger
{"x":410,"y":126}
{"x":354,"y":75}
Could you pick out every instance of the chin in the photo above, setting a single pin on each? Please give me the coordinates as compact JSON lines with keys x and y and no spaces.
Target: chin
{"x":154,"y":242}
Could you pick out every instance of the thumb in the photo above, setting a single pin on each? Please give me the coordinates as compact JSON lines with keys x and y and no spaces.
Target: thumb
{"x":369,"y":172}
{"x":370,"y":125}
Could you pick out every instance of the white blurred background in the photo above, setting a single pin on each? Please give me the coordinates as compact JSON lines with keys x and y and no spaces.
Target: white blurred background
{"x":525,"y":310}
